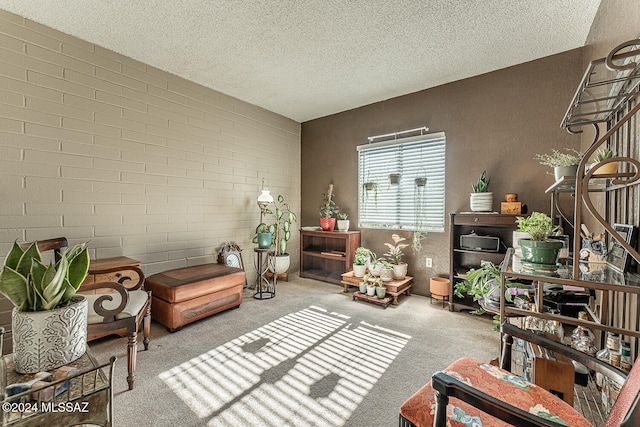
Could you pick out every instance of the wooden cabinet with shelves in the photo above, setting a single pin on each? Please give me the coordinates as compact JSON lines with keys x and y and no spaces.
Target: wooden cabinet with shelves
{"x":463,"y":259}
{"x":326,"y":255}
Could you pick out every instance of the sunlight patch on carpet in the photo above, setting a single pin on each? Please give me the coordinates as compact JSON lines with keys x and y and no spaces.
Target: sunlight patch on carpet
{"x":312,"y":367}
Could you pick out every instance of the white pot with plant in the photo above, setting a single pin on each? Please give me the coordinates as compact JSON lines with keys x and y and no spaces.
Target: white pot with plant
{"x":563,"y":164}
{"x":386,"y":270}
{"x":481,"y":200}
{"x":343,"y":222}
{"x":394,"y":255}
{"x":280,"y":261}
{"x":371,"y":287}
{"x":49,"y":321}
{"x":359,"y":265}
{"x":362,"y":286}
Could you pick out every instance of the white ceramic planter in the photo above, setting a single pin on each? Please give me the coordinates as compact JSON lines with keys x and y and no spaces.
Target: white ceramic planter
{"x":386,"y":274}
{"x":359,"y":270}
{"x":481,"y":202}
{"x":45,"y":340}
{"x":400,"y":270}
{"x":371,"y":290}
{"x":560,"y":171}
{"x":279,"y":264}
{"x":343,"y":224}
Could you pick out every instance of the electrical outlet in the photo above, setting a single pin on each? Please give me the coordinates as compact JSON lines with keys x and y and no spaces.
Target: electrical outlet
{"x":429,"y":264}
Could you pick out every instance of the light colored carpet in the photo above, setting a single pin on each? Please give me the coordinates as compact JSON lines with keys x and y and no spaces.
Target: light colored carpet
{"x":311,"y":356}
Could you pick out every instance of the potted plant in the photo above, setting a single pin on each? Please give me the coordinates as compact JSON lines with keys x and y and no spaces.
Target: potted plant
{"x":343,"y":222}
{"x":395,"y":256}
{"x":362,"y":287}
{"x":563,"y":164}
{"x":359,"y":265}
{"x":481,"y":200}
{"x":386,"y":270}
{"x":603,"y":154}
{"x":539,"y":249}
{"x":483,"y":284}
{"x":327,"y":210}
{"x":264,"y":236}
{"x":368,"y":187}
{"x":281,"y":229}
{"x":49,"y":321}
{"x":371,"y":286}
{"x":381,"y":289}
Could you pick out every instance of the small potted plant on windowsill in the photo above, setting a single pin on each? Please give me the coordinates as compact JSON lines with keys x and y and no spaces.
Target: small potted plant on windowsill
{"x":481,"y":200}
{"x":327,"y":210}
{"x":563,"y":164}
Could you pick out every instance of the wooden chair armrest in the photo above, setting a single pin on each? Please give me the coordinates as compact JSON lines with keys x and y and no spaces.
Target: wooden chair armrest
{"x":447,"y":386}
{"x":589,"y":361}
{"x":122,"y":279}
{"x":107,"y":314}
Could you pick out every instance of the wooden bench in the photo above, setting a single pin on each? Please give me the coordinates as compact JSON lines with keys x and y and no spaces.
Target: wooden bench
{"x":185,"y":295}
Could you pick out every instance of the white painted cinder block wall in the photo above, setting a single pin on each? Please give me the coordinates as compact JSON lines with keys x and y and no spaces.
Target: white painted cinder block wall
{"x":99,"y":147}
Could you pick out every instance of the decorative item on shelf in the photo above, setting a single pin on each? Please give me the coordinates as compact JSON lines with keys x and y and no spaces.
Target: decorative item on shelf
{"x":606,"y":168}
{"x":343,"y":222}
{"x":481,"y":200}
{"x":512,"y":206}
{"x":593,"y":248}
{"x":49,"y":321}
{"x":395,"y":255}
{"x":539,"y":254}
{"x":327,"y":210}
{"x":563,"y":164}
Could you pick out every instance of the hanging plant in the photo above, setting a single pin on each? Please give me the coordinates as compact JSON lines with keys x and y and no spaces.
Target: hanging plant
{"x":421,"y":181}
{"x":394,"y":178}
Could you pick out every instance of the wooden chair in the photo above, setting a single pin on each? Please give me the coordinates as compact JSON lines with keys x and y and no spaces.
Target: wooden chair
{"x":121,"y":307}
{"x":469,"y":389}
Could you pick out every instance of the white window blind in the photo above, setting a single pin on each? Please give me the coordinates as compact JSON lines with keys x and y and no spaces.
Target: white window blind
{"x":405,"y":205}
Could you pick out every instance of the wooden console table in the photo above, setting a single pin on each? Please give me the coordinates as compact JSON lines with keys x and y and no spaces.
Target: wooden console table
{"x":394,"y":287}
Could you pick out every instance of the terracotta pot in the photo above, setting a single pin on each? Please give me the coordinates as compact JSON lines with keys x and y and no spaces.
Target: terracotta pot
{"x":439,"y":288}
{"x":327,"y":224}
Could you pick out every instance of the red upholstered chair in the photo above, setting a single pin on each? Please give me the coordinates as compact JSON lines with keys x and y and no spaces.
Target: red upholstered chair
{"x":469,"y":390}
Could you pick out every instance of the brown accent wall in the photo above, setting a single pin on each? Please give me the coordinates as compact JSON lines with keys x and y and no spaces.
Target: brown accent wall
{"x":495,"y":122}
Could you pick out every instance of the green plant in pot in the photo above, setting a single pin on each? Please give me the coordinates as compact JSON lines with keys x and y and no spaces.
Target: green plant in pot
{"x":602,"y":155}
{"x":563,"y":163}
{"x":49,"y":321}
{"x":539,"y":249}
{"x":359,"y":265}
{"x":483,"y":284}
{"x":283,"y":217}
{"x":343,"y":222}
{"x":327,"y":210}
{"x":394,"y":254}
{"x":481,"y":200}
{"x":264,"y":235}
{"x":381,"y":289}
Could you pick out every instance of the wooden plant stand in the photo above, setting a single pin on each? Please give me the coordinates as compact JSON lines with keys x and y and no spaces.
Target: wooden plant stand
{"x":394,"y":287}
{"x":384,"y":302}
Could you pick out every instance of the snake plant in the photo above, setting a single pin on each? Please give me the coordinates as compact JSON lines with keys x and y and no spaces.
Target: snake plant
{"x":33,"y":286}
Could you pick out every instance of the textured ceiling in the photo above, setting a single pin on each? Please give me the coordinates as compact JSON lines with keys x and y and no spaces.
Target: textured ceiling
{"x":308,"y":59}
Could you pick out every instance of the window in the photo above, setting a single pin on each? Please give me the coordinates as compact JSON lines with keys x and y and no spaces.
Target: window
{"x":392,"y":191}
